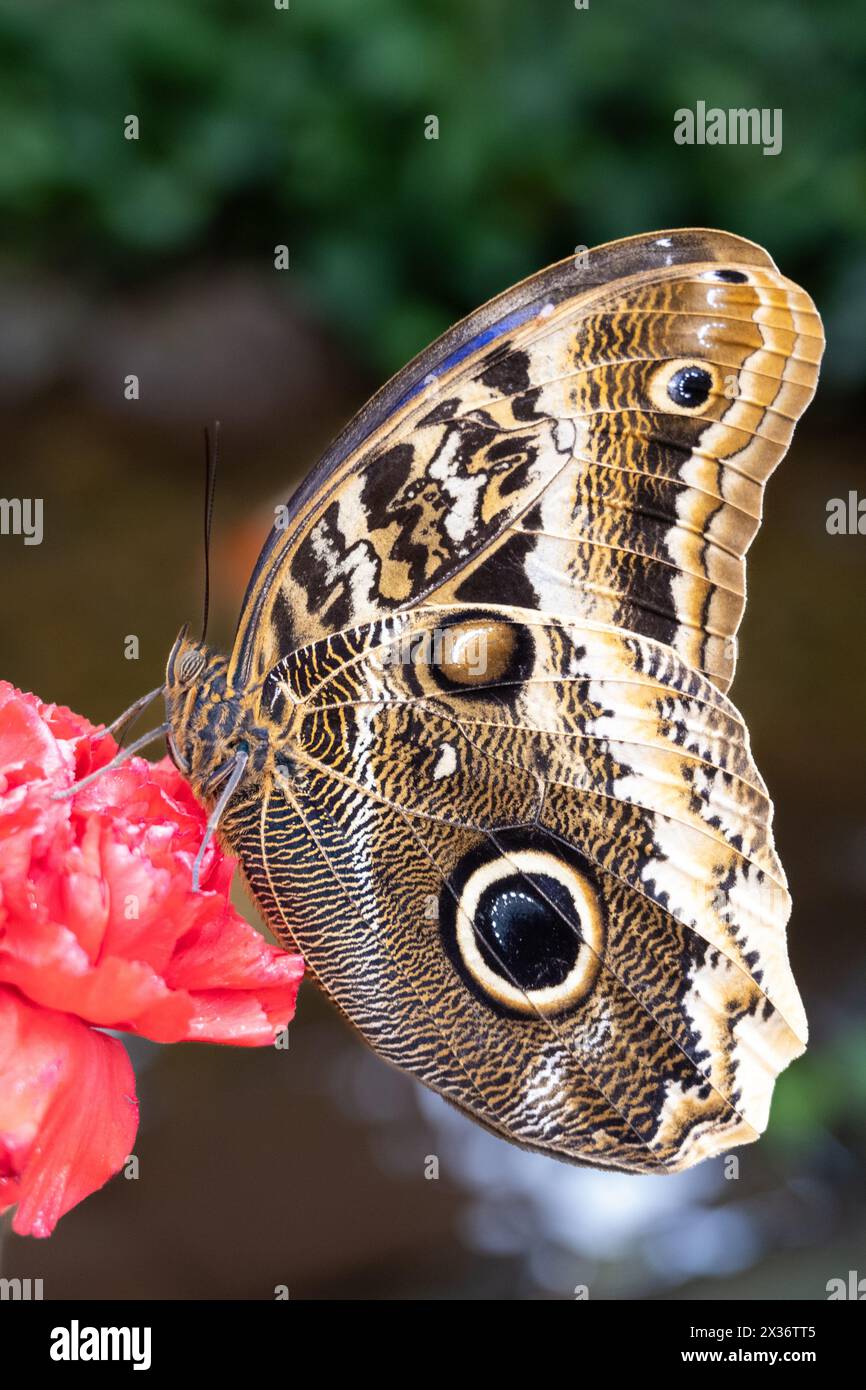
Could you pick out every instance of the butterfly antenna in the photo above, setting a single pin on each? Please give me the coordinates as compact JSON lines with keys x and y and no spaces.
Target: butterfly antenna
{"x":211,"y":454}
{"x":129,"y":715}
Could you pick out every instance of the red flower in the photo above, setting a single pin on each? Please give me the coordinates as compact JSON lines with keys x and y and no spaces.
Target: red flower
{"x":100,"y":928}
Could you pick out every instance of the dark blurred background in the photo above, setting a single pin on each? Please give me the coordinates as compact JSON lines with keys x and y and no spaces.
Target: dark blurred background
{"x":305,"y":127}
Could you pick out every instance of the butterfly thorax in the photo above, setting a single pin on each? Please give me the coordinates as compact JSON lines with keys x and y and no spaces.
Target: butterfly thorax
{"x":210,"y":723}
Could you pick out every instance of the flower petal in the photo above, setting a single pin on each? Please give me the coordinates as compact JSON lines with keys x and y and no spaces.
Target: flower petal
{"x":97,"y":913}
{"x":68,"y":1112}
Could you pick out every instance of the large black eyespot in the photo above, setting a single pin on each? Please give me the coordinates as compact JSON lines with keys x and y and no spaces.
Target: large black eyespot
{"x":733,"y":277}
{"x":528,"y":930}
{"x":522,"y":922}
{"x":690,"y":387}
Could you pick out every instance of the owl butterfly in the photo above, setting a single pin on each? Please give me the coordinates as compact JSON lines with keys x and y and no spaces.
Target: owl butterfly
{"x":472,"y":746}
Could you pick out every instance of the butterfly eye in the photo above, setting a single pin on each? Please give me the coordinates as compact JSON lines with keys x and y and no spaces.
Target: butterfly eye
{"x":190,"y":666}
{"x":526,"y":932}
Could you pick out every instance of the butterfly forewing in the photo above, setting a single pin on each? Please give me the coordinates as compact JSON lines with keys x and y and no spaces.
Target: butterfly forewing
{"x":600,"y":452}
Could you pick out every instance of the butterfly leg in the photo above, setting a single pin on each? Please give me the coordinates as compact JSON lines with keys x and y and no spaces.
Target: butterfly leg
{"x":234,"y":771}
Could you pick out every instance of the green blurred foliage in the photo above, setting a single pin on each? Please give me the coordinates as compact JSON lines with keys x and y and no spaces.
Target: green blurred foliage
{"x":826,"y":1090}
{"x":306,"y":126}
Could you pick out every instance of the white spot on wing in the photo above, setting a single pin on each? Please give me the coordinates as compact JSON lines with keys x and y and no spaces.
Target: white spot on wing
{"x":446,"y":763}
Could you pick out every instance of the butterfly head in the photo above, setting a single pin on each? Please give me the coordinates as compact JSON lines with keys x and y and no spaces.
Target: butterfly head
{"x":198,"y":709}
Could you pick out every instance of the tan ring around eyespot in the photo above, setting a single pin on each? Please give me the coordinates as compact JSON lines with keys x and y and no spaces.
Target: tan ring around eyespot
{"x":658,"y":386}
{"x":583,"y":974}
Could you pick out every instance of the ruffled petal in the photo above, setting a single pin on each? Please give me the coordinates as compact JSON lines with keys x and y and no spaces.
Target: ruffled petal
{"x":97,"y":913}
{"x":100,"y":928}
{"x":68,"y":1112}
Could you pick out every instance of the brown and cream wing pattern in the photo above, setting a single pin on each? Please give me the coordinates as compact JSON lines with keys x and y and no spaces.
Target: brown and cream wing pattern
{"x":594,"y":443}
{"x":493,"y":787}
{"x":638,"y":1013}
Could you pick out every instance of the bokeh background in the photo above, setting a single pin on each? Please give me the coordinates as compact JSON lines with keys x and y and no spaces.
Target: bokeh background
{"x":305,"y":127}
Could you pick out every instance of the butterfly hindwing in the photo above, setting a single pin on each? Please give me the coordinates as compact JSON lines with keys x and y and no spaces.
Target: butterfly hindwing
{"x":450,"y":767}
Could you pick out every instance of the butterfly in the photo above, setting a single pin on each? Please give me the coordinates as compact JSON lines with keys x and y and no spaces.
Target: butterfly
{"x":473,"y":747}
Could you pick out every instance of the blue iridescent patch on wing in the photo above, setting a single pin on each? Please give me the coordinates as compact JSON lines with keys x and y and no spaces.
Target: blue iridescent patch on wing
{"x":496,"y":330}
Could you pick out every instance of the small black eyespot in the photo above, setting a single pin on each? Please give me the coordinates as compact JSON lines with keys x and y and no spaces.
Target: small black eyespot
{"x":733,"y":277}
{"x":689,"y":387}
